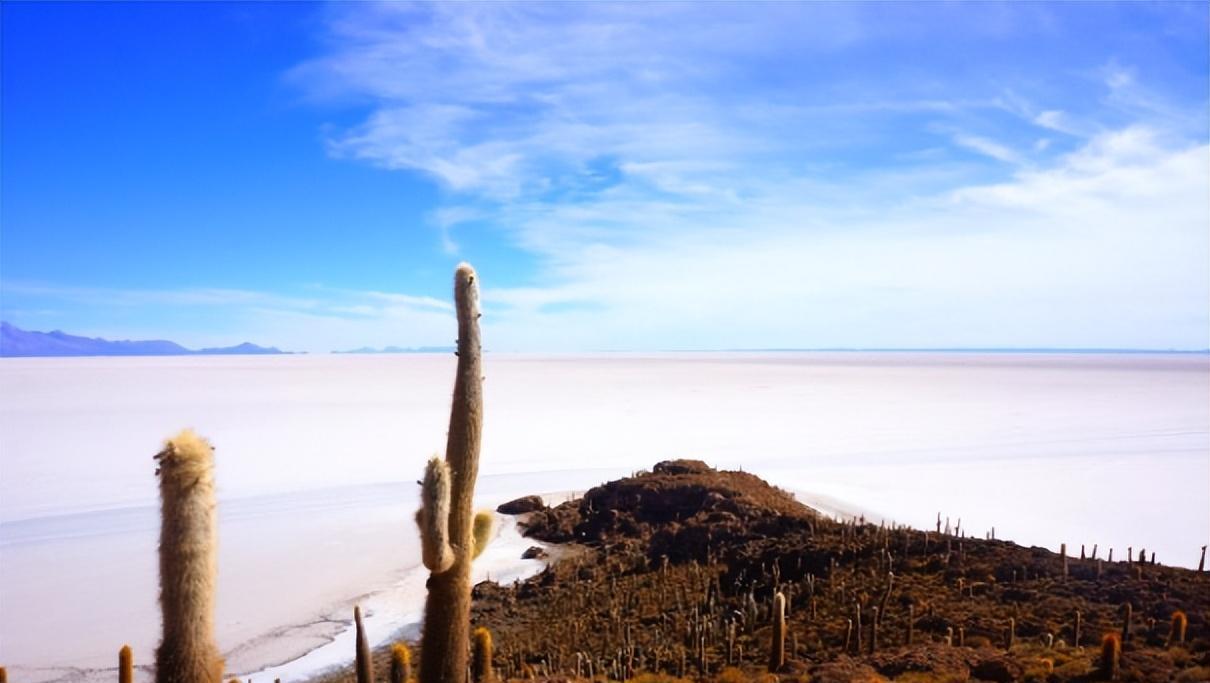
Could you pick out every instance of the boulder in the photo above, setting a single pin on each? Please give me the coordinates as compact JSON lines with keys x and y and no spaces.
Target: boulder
{"x":522,"y":505}
{"x":533,"y":553}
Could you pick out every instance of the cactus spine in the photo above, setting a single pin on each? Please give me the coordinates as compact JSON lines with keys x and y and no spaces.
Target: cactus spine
{"x":365,"y":663}
{"x":401,"y":663}
{"x":481,"y":662}
{"x":125,"y":665}
{"x":777,"y":649}
{"x":188,"y":562}
{"x":443,"y":645}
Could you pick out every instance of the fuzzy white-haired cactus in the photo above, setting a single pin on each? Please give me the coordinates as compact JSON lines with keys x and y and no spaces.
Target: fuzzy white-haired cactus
{"x":188,"y":562}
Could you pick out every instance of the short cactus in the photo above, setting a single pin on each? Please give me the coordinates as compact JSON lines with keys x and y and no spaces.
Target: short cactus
{"x":125,"y":665}
{"x":481,"y":661}
{"x":1111,"y":656}
{"x":188,"y":562}
{"x":401,"y":663}
{"x":1179,"y":624}
{"x":365,"y":662}
{"x":777,"y":649}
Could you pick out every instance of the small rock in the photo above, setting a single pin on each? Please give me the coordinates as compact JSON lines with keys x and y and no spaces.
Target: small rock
{"x":533,"y":553}
{"x":522,"y":505}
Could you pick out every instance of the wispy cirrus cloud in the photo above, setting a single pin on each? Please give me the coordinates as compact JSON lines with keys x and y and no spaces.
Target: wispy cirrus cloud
{"x":779,"y":176}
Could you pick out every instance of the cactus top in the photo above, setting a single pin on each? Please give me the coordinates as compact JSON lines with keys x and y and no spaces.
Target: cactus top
{"x":185,"y":454}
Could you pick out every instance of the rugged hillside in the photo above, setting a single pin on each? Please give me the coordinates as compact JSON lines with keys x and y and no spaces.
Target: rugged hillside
{"x":674,"y":573}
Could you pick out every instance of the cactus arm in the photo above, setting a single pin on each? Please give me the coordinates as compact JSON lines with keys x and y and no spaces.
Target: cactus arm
{"x":434,"y":517}
{"x":483,"y":525}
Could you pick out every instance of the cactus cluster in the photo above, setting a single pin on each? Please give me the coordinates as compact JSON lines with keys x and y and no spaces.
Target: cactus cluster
{"x":451,"y":536}
{"x":693,"y":623}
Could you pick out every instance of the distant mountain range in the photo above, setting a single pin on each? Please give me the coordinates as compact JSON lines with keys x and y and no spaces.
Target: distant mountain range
{"x":397,"y":349}
{"x":15,"y":342}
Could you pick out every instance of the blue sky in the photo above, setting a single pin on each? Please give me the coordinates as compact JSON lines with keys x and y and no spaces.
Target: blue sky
{"x":655,"y":176}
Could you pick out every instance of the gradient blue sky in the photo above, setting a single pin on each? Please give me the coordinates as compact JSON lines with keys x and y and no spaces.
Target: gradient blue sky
{"x":638,"y":176}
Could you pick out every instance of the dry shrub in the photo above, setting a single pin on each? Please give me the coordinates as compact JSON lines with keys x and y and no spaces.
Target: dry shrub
{"x":1195,"y":675}
{"x":930,"y":677}
{"x":731,"y":675}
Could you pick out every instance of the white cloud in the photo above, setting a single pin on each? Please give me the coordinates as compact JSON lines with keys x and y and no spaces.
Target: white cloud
{"x":1056,"y":120}
{"x":1106,"y":248}
{"x":988,"y":148}
{"x":672,"y":191}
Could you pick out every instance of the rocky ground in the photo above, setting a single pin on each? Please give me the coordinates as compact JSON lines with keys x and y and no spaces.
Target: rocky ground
{"x":671,"y":574}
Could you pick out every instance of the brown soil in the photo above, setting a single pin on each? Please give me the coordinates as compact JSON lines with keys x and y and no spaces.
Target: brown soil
{"x":674,"y":572}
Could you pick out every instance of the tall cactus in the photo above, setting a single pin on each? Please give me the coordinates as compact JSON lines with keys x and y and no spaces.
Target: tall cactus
{"x":448,"y":555}
{"x":188,"y":562}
